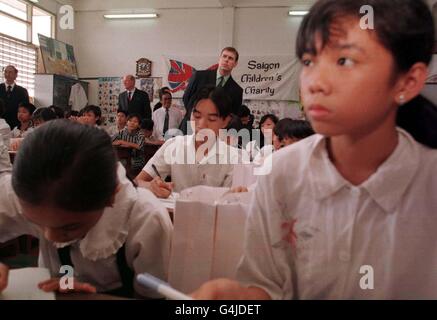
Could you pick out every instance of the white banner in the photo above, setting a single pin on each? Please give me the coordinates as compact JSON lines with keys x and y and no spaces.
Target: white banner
{"x":261,"y":77}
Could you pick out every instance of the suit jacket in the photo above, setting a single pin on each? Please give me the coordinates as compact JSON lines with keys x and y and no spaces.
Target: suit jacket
{"x":209,"y":77}
{"x":139,"y":103}
{"x":18,"y":95}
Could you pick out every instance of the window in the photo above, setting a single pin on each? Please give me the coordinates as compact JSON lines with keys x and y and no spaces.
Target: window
{"x":23,"y":56}
{"x":21,"y":22}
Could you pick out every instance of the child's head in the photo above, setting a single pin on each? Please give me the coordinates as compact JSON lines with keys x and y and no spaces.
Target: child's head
{"x":92,"y":115}
{"x":232,"y":129}
{"x":166,"y":99}
{"x":245,"y":115}
{"x":267,"y":122}
{"x":147,"y":127}
{"x":288,"y":131}
{"x":133,"y":122}
{"x":57,"y":111}
{"x":25,"y":111}
{"x":212,"y":109}
{"x":354,"y":79}
{"x":121,"y":118}
{"x":42,"y":115}
{"x":72,"y":115}
{"x":64,"y":177}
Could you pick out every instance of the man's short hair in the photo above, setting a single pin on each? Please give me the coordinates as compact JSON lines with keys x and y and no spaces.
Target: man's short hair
{"x":13,"y":67}
{"x":233,"y":50}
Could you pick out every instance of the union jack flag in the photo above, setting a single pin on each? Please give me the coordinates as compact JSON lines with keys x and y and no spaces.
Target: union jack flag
{"x":179,"y":75}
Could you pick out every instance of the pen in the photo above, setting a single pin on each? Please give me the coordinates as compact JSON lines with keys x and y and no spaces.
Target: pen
{"x":156,"y":171}
{"x":151,"y":282}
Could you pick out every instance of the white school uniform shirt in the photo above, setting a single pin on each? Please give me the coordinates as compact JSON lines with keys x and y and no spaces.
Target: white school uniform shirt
{"x":176,"y":157}
{"x":310,"y":232}
{"x":137,"y":219}
{"x":5,"y":131}
{"x":158,"y":117}
{"x":17,"y":133}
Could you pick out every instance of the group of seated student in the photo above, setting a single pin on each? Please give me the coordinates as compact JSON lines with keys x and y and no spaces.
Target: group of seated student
{"x":359,"y":192}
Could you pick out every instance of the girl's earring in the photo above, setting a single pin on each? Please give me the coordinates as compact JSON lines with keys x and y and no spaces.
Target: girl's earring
{"x":402,"y":99}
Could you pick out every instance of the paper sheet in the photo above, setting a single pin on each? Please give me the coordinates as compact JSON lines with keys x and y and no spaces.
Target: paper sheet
{"x":170,"y":202}
{"x":23,"y":285}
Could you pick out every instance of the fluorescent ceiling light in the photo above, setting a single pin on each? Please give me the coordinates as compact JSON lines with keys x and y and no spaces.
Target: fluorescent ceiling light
{"x":131,"y":16}
{"x":34,"y":1}
{"x":297,"y":12}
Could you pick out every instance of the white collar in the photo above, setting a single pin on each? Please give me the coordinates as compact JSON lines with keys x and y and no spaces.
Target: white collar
{"x":386,"y":186}
{"x":111,"y":231}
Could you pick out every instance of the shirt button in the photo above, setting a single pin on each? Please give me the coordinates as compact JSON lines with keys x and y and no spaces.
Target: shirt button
{"x":344,"y":256}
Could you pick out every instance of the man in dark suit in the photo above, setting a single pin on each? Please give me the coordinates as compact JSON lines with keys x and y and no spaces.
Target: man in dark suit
{"x":221,"y":77}
{"x":134,"y":100}
{"x":12,"y":95}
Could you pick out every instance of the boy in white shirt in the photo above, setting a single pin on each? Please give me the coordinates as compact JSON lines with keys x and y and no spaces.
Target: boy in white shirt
{"x":199,"y":159}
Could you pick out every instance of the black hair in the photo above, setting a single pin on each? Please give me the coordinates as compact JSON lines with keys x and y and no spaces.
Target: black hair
{"x":123,"y":111}
{"x":71,"y":113}
{"x":244,"y":111}
{"x":162,"y":91}
{"x":95,"y":110}
{"x":290,"y":128}
{"x":44,"y":114}
{"x":134,"y":115}
{"x":67,"y":165}
{"x":58,"y":111}
{"x":147,"y":124}
{"x":28,"y":106}
{"x":218,"y":96}
{"x":2,"y":108}
{"x":404,"y":27}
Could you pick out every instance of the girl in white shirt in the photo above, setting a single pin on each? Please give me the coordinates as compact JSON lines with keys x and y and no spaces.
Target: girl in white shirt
{"x":262,"y":146}
{"x":350,"y":213}
{"x":67,"y":190}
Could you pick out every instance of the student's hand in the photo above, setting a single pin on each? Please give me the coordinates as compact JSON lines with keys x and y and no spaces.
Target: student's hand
{"x":160,"y":188}
{"x":239,"y":189}
{"x":15,"y":144}
{"x":117,"y":143}
{"x":53,"y":285}
{"x":226,"y":289}
{"x":4,"y":271}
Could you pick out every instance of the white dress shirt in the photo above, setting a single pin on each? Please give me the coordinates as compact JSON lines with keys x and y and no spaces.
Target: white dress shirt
{"x":158,"y":117}
{"x":310,"y":231}
{"x":176,"y":157}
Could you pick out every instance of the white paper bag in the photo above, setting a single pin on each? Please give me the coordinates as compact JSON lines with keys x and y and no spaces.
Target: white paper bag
{"x":208,"y":236}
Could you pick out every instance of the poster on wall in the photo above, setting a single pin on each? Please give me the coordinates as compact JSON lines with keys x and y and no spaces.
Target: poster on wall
{"x":109,"y":89}
{"x":261,"y":77}
{"x":58,"y":57}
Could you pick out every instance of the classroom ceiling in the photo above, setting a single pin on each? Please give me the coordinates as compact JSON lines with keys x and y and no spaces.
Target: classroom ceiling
{"x":86,"y":5}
